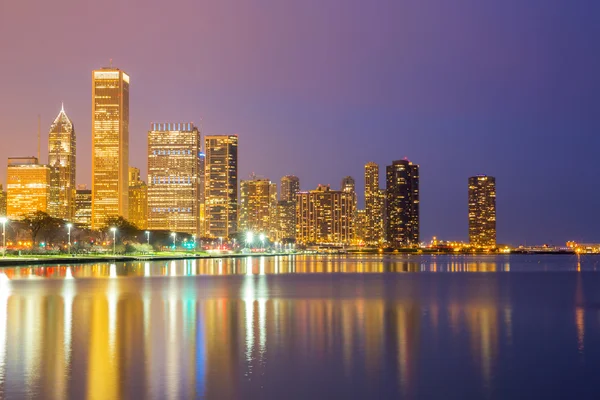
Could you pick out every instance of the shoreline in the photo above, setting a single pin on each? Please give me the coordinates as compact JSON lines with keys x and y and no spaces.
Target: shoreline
{"x":24,"y":260}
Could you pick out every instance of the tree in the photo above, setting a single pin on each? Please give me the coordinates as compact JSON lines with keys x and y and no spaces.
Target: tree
{"x":125,"y":229}
{"x":37,"y":221}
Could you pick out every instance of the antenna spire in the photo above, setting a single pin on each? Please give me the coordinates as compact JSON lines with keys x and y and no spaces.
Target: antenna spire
{"x":39,"y":137}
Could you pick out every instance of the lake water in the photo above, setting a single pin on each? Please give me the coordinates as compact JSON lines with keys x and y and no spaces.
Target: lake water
{"x":309,"y":327}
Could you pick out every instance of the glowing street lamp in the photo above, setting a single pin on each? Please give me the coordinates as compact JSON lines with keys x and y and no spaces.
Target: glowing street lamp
{"x":3,"y":221}
{"x":114,"y":231}
{"x":249,"y":239}
{"x":69,"y":226}
{"x":148,"y":237}
{"x":194,"y":237}
{"x":262,"y":240}
{"x":174,"y":235}
{"x":220,"y":243}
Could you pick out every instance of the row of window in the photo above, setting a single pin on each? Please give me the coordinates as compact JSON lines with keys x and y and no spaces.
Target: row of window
{"x":171,"y":152}
{"x":174,"y":209}
{"x":171,"y":180}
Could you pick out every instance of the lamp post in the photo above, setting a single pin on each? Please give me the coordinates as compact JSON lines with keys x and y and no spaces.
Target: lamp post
{"x":221,"y":243}
{"x":69,"y":226}
{"x":148,"y":237}
{"x":174,"y":235}
{"x":194,"y":237}
{"x":114,"y":231}
{"x":233,"y":244}
{"x":262,"y":241}
{"x":3,"y":221}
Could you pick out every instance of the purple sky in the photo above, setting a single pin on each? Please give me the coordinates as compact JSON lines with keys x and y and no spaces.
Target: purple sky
{"x":317,"y":88}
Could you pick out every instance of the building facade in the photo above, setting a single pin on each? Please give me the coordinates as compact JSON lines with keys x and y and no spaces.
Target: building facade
{"x":373,"y":232}
{"x":110,"y":145}
{"x":2,"y":201}
{"x":28,"y":187}
{"x":258,"y":207}
{"x":174,"y":177}
{"x":62,"y":163}
{"x":138,"y":199}
{"x":290,"y":186}
{"x":83,"y":207}
{"x":221,"y":182}
{"x":360,"y":225}
{"x":286,"y":220}
{"x":325,"y":216}
{"x":402,"y":204}
{"x":482,"y":211}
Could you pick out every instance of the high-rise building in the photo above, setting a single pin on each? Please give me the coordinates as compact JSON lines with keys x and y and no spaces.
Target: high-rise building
{"x":110,"y":145}
{"x":482,"y":211}
{"x":221,"y":181}
{"x":290,"y":186}
{"x":202,"y":198}
{"x":360,"y":225}
{"x":402,"y":204}
{"x":28,"y":187}
{"x":258,"y":208}
{"x":62,"y":163}
{"x":286,"y":220}
{"x":2,"y":202}
{"x":325,"y":216}
{"x":348,"y":185}
{"x":373,"y":234}
{"x":174,"y":177}
{"x":138,"y":199}
{"x":83,"y":207}
{"x":286,"y":207}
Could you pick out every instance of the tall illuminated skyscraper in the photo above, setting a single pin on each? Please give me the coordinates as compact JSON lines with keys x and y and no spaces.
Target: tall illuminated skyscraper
{"x":290,"y":186}
{"x":2,"y":202}
{"x":174,"y":177}
{"x":28,"y":187}
{"x":373,"y":232}
{"x":325,"y":216}
{"x":138,"y":199}
{"x":221,"y":181}
{"x":258,"y":208}
{"x":482,"y":211}
{"x":402,"y":204}
{"x":110,"y":145}
{"x":62,"y":162}
{"x":83,"y":207}
{"x":286,"y":207}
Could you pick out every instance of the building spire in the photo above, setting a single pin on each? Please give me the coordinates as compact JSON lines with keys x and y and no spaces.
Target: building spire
{"x":62,"y":106}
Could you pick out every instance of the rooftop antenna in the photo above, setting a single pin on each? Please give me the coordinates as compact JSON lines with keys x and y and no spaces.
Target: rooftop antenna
{"x":39,"y":137}
{"x":110,"y":62}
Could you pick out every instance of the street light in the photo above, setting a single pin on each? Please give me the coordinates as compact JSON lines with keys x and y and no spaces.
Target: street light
{"x":3,"y":221}
{"x":174,"y":240}
{"x":194,"y":237}
{"x":262,"y":240}
{"x":114,"y":231}
{"x":249,"y":238}
{"x":220,"y":243}
{"x":148,"y":237}
{"x":69,"y":226}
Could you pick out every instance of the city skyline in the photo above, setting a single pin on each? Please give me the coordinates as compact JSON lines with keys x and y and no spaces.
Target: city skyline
{"x":454,"y":96}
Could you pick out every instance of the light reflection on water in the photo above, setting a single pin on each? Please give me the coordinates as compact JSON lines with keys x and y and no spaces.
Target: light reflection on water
{"x":309,"y":327}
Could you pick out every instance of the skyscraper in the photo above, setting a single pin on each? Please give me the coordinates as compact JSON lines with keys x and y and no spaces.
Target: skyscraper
{"x":221,"y":182}
{"x":83,"y":207}
{"x":258,"y":208}
{"x":62,"y":162}
{"x":2,"y":202}
{"x":110,"y":145}
{"x":28,"y":187}
{"x":138,"y":199}
{"x":325,"y":216}
{"x":373,"y":233}
{"x":402,"y":204}
{"x":286,"y":207}
{"x":482,"y":211}
{"x":348,"y":185}
{"x":174,"y":177}
{"x":290,"y":186}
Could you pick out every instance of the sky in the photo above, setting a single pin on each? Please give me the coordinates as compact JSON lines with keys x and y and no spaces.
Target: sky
{"x":318,"y":88}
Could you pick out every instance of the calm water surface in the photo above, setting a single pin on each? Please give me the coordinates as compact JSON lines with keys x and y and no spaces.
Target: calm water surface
{"x":452,"y":327}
